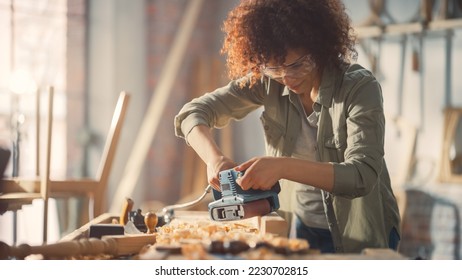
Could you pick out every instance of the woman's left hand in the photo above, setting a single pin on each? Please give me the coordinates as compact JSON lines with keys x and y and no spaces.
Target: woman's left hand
{"x":261,"y":173}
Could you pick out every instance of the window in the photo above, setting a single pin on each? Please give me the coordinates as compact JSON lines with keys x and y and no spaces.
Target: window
{"x":34,"y":36}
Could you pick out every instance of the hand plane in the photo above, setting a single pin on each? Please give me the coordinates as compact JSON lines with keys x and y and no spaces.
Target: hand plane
{"x":234,"y":203}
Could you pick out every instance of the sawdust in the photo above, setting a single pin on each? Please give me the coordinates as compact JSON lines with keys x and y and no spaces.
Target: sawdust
{"x":205,"y":239}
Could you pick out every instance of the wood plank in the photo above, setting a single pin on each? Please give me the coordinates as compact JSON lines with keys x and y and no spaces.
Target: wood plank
{"x":130,"y":244}
{"x":16,"y":185}
{"x":74,"y":186}
{"x":105,"y":218}
{"x":268,"y":224}
{"x":274,"y":224}
{"x":14,"y":201}
{"x":381,"y":254}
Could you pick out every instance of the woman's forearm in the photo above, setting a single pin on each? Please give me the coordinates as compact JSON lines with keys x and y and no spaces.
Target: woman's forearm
{"x":201,"y":140}
{"x":316,"y":174}
{"x":264,"y":172}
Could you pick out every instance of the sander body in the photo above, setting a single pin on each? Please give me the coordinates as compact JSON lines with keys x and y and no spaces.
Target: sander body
{"x":234,"y":203}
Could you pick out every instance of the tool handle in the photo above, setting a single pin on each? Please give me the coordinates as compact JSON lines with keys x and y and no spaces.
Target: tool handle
{"x":127,"y":207}
{"x":150,"y":219}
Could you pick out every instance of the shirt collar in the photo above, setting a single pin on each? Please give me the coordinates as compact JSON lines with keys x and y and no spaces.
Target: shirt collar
{"x":330,"y":79}
{"x":286,"y":91}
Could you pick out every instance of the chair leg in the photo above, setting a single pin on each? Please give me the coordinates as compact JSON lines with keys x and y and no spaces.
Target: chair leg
{"x":45,"y":180}
{"x":83,"y":213}
{"x":99,"y":204}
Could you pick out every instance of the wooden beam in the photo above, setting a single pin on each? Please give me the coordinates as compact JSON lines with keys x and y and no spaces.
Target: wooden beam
{"x":406,"y":28}
{"x":45,"y":178}
{"x":156,"y":107}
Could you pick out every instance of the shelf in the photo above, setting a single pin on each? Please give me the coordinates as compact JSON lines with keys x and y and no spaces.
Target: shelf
{"x":406,"y":28}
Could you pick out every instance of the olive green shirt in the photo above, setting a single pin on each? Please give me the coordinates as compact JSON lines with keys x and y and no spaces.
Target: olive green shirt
{"x":361,"y":210}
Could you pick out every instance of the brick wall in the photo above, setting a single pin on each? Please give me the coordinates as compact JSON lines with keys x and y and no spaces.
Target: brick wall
{"x":165,"y":158}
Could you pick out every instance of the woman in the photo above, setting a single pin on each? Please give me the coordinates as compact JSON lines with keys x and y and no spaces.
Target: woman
{"x":323,"y":121}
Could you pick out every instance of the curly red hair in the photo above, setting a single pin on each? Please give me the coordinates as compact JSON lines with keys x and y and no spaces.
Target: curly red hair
{"x":257,"y":31}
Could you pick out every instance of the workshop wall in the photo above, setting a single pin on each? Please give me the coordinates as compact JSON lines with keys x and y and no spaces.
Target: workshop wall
{"x":165,"y":168}
{"x":418,"y":96}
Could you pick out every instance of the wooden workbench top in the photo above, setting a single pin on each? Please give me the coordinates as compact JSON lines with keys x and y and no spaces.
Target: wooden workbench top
{"x":269,"y":225}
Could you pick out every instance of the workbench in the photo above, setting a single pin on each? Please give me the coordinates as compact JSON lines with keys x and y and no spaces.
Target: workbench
{"x":194,"y":229}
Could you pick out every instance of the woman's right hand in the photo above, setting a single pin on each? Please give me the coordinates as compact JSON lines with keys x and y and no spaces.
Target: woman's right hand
{"x":215,"y":166}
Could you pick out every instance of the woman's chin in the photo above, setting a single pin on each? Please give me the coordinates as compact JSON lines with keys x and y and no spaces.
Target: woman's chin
{"x":297,"y":89}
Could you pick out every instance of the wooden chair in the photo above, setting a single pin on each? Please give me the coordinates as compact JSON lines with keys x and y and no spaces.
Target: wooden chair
{"x":13,"y":197}
{"x":92,"y":188}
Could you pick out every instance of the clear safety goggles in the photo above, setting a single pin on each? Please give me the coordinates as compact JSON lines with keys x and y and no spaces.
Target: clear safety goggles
{"x":297,"y":69}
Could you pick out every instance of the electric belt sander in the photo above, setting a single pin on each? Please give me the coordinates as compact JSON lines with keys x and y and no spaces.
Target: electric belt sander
{"x":234,"y":203}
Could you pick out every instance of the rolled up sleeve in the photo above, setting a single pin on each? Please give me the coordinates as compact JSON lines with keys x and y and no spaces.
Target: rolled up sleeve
{"x":359,"y":172}
{"x":217,"y":108}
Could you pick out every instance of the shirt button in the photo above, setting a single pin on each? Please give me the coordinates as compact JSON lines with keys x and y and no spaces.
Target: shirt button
{"x":266,"y":127}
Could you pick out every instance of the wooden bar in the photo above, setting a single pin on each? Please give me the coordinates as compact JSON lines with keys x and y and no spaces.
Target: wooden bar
{"x":406,"y":28}
{"x":114,"y":245}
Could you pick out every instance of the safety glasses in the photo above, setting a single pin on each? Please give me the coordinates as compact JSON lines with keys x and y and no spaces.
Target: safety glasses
{"x":299,"y":68}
